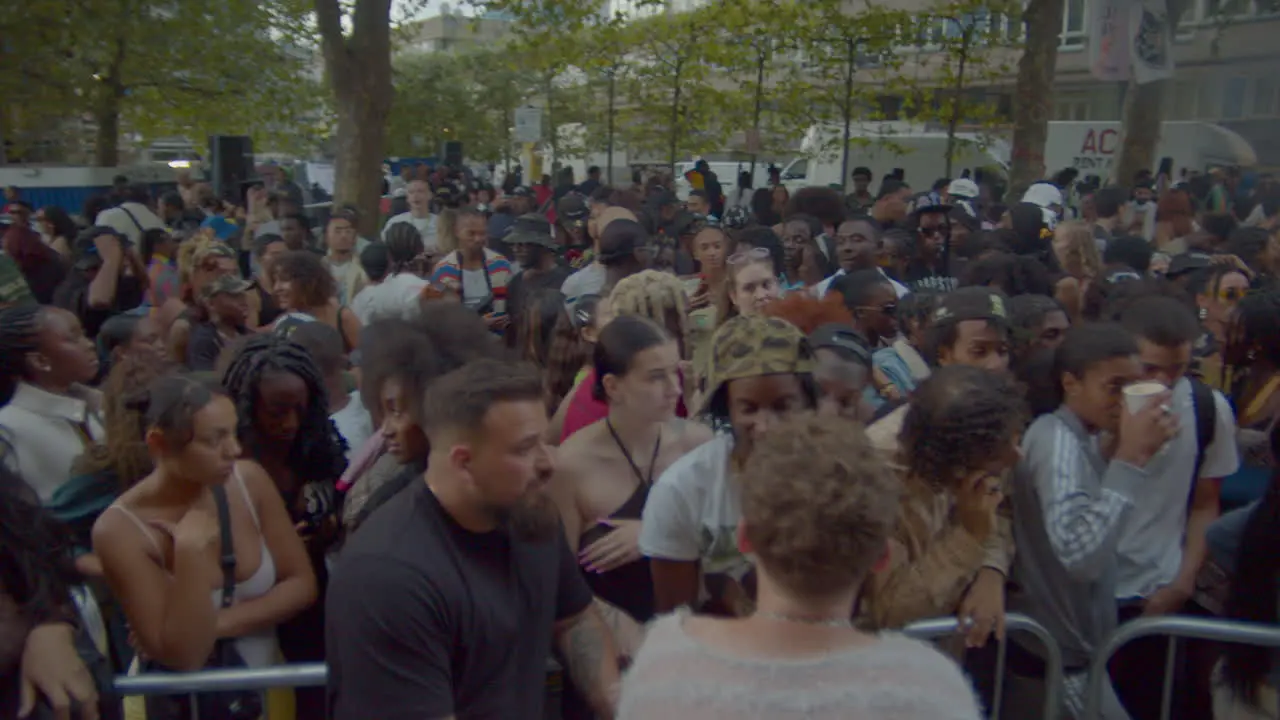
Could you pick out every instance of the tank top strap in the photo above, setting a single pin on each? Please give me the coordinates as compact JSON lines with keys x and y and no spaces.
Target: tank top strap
{"x":248,"y":501}
{"x":633,"y":508}
{"x":142,"y":526}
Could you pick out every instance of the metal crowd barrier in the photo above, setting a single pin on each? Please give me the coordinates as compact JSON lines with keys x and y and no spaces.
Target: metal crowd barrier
{"x":1176,"y":627}
{"x":276,"y":676}
{"x":1013,"y":622}
{"x":316,"y":674}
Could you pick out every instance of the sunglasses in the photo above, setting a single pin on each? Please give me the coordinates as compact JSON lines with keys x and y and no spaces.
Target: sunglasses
{"x":1231,"y":295}
{"x":889,"y":309}
{"x":755,"y":254}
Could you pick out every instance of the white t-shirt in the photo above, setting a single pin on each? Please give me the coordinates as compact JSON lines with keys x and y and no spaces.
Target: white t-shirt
{"x":1150,"y":546}
{"x":354,"y":424}
{"x":426,"y":227}
{"x":350,"y":278}
{"x":820,"y":290}
{"x":395,"y":297}
{"x":117,"y":218}
{"x":693,"y":511}
{"x":587,"y":281}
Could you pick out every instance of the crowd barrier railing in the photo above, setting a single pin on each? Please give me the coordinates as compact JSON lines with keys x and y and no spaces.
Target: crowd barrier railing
{"x":316,"y":674}
{"x":1013,"y":623}
{"x":1177,"y":627}
{"x":203,"y":681}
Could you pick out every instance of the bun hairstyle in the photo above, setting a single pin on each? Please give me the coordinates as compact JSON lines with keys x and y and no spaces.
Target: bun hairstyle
{"x":170,"y":404}
{"x":620,"y":341}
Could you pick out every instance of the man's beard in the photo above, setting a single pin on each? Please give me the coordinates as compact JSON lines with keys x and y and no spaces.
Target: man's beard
{"x":534,"y":518}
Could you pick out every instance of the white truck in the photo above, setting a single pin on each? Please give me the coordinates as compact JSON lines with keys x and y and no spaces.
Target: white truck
{"x":1090,"y":147}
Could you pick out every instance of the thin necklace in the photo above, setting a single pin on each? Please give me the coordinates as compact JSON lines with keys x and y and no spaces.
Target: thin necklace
{"x":653,"y":461}
{"x":805,"y":620}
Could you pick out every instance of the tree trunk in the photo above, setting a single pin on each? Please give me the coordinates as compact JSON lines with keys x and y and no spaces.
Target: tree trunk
{"x":954,"y":121}
{"x":553,"y":139}
{"x":1143,"y":108}
{"x":755,"y":122}
{"x":675,"y":114}
{"x":106,"y":115}
{"x":848,"y":112}
{"x":1033,"y":96}
{"x":613,"y":99}
{"x":359,"y":70}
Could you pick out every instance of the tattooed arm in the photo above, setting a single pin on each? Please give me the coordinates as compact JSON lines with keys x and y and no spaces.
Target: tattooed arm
{"x":587,"y":651}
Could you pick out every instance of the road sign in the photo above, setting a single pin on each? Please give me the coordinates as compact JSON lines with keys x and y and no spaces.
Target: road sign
{"x":528,"y":124}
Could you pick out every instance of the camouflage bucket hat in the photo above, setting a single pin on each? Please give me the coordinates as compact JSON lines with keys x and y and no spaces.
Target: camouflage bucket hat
{"x":751,"y":346}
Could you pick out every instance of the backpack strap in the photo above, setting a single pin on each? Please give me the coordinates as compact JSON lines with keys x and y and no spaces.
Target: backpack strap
{"x":1206,"y":412}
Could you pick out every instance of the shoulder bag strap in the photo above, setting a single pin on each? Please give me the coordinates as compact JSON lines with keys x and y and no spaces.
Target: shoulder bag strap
{"x":134,"y":219}
{"x":227,"y":556}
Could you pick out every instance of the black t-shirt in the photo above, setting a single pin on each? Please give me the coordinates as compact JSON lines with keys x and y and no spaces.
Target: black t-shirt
{"x":521,"y":287}
{"x":429,"y":620}
{"x":204,"y":345}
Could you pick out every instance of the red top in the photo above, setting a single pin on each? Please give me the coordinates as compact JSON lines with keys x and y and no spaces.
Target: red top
{"x":585,"y":409}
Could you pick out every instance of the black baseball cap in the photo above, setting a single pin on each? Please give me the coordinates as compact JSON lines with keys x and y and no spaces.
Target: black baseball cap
{"x":1186,"y":263}
{"x":523,"y":191}
{"x":572,"y":210}
{"x":844,"y":340}
{"x":620,"y":239}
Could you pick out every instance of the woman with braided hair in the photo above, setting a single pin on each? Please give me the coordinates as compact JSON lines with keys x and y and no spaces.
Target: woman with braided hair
{"x":396,"y":295}
{"x":49,"y":417}
{"x":959,"y":436}
{"x":284,"y":425}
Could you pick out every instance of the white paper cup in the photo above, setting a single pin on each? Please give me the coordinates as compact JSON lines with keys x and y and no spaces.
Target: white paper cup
{"x":1137,"y":395}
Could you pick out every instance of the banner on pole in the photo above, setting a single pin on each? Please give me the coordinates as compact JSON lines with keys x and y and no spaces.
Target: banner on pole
{"x":1109,"y":39}
{"x":1151,"y":47}
{"x":528,"y":124}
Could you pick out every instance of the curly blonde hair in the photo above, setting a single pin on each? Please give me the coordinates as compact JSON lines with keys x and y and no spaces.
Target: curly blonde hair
{"x":818,"y":504}
{"x":658,"y":296}
{"x":1076,"y":249}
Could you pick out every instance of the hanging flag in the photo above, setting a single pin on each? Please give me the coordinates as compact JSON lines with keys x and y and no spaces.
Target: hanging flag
{"x":1109,"y":39}
{"x":1151,"y":47}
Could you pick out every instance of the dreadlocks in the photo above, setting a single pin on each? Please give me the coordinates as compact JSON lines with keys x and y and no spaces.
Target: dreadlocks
{"x":19,"y":335}
{"x":318,"y":451}
{"x":659,"y":297}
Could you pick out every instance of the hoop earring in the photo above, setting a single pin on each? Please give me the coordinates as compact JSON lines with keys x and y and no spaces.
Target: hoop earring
{"x":1203,"y":313}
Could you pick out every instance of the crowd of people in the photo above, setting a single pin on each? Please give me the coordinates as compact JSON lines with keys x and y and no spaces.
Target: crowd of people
{"x":597,"y":452}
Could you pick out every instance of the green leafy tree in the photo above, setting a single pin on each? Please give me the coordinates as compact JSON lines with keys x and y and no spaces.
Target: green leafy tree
{"x":761,"y":42}
{"x":159,"y":68}
{"x":671,"y":100}
{"x":963,"y":48}
{"x":846,"y":62}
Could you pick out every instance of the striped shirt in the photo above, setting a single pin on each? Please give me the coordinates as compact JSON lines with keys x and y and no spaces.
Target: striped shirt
{"x":449,"y":272}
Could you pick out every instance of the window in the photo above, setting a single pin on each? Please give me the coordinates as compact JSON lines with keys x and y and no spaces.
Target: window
{"x":1233,"y":95}
{"x":1264,"y":97}
{"x":1073,"y":22}
{"x":1207,"y":102}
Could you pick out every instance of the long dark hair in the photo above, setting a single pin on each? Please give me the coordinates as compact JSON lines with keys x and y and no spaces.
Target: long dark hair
{"x":35,"y":566}
{"x":1253,"y":594}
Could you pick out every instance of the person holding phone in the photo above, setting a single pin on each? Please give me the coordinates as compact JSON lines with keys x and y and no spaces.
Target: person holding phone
{"x":476,"y":274}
